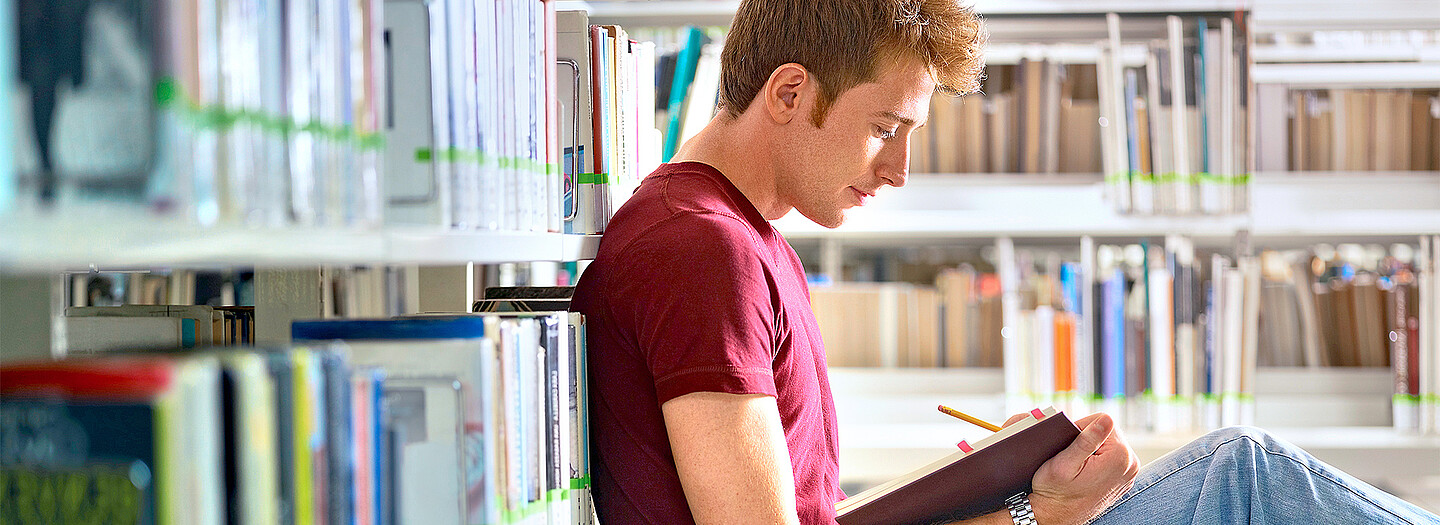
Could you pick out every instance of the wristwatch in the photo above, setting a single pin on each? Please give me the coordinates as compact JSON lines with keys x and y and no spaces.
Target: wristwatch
{"x":1020,"y":511}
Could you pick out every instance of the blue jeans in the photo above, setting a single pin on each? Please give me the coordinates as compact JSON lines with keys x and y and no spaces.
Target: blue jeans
{"x":1243,"y":475}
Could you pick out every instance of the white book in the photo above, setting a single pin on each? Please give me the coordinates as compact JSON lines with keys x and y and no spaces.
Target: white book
{"x":1250,"y":269}
{"x":1042,"y":352}
{"x":1179,"y":119}
{"x":1119,"y":148}
{"x":1016,"y":374}
{"x":200,"y":332}
{"x":700,"y":105}
{"x":585,"y":213}
{"x":98,"y":334}
{"x":1231,"y":201}
{"x":1161,"y":356}
{"x":428,"y":368}
{"x":1157,"y":116}
{"x":1084,"y":353}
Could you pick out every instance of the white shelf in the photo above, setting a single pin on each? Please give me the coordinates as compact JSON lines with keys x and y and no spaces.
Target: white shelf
{"x":1367,"y":53}
{"x":874,"y":453}
{"x":1312,"y":15}
{"x":889,"y":425}
{"x":48,"y":244}
{"x":1285,"y":207}
{"x":1364,"y":75}
{"x":641,"y":13}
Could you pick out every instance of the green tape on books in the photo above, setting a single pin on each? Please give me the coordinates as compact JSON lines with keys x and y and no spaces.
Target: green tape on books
{"x":168,"y":95}
{"x":555,"y":495}
{"x":1405,"y":399}
{"x":1223,"y":180}
{"x":580,"y":483}
{"x":524,"y":512}
{"x":479,"y":157}
{"x":593,"y":178}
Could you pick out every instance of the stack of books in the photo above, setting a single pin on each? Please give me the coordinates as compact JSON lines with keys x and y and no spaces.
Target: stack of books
{"x":1175,"y":124}
{"x":435,"y":419}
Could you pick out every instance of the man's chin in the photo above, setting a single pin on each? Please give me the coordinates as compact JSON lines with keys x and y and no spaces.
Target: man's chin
{"x":829,"y":218}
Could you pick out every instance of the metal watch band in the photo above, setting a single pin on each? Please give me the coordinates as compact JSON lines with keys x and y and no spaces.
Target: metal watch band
{"x":1020,"y":511}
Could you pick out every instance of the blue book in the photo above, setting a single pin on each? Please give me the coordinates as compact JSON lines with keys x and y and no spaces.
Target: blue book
{"x":417,"y":375}
{"x":439,"y":327}
{"x":1132,"y":125}
{"x":1112,"y":349}
{"x":7,"y":128}
{"x":685,"y":65}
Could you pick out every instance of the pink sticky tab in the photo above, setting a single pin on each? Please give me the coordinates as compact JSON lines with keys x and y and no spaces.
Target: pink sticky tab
{"x":1037,"y":413}
{"x":965,"y":447}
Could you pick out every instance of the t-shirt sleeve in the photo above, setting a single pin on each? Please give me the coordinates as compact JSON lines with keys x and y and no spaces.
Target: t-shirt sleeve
{"x":700,"y":302}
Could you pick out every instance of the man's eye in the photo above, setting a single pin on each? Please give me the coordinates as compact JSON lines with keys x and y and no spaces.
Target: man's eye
{"x":884,"y":134}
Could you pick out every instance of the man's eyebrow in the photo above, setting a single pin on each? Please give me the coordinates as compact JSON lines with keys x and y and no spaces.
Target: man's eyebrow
{"x":896,"y":117}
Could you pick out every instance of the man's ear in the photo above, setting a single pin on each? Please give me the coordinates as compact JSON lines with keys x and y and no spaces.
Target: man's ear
{"x":789,"y":93}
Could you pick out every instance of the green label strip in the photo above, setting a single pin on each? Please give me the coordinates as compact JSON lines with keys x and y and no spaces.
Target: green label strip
{"x":540,"y":506}
{"x":219,"y":118}
{"x":1137,"y":177}
{"x":478,"y":157}
{"x":593,"y":178}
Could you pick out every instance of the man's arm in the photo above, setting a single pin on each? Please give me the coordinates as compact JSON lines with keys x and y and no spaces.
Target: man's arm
{"x":731,"y":456}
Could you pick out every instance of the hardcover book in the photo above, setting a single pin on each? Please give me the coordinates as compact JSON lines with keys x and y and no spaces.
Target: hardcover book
{"x":972,"y":481}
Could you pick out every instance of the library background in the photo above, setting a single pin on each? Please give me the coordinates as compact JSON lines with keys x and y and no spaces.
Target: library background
{"x":342,"y":232}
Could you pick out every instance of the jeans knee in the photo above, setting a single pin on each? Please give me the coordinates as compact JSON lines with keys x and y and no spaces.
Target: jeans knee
{"x":1243,"y":437}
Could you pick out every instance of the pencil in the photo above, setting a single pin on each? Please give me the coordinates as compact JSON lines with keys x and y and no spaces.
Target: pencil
{"x":969,"y":418}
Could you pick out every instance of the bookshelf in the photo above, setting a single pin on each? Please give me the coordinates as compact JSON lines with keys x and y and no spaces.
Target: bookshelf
{"x":889,"y":424}
{"x":720,"y":12}
{"x":1287,"y":209}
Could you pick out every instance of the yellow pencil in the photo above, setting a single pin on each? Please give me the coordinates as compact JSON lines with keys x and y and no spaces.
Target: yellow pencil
{"x":969,"y":418}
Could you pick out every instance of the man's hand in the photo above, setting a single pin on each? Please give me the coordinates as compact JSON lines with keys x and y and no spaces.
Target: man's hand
{"x":1085,"y":478}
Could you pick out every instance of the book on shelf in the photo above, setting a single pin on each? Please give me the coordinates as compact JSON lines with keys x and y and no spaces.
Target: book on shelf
{"x":975,"y":480}
{"x":1038,"y":116}
{"x":140,"y":434}
{"x":459,"y":418}
{"x":1169,"y":336}
{"x":607,"y":118}
{"x":1178,"y":142}
{"x":1345,"y":129}
{"x":494,"y":402}
{"x":264,"y":116}
{"x":281,"y":114}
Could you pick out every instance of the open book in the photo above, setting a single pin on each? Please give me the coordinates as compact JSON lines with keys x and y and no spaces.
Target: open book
{"x":974,"y":480}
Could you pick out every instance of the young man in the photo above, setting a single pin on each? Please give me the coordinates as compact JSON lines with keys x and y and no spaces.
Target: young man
{"x":710,"y":401}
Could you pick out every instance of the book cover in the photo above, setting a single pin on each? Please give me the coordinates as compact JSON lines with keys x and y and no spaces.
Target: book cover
{"x":966,"y":484}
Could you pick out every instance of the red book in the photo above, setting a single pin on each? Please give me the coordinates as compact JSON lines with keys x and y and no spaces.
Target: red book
{"x":111,"y":378}
{"x":965,"y":484}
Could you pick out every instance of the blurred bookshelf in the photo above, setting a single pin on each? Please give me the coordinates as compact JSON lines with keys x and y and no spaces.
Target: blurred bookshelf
{"x":70,"y":244}
{"x":1342,"y":414}
{"x":1287,"y":208}
{"x":889,"y":425}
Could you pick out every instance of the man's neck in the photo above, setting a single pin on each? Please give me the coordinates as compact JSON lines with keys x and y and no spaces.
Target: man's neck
{"x":741,"y":155}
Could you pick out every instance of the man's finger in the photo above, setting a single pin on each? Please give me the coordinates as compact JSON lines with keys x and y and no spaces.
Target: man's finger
{"x":1094,"y":434}
{"x":1016,"y":419}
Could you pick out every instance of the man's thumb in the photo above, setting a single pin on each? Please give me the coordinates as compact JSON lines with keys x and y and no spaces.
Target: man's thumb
{"x":1072,"y":459}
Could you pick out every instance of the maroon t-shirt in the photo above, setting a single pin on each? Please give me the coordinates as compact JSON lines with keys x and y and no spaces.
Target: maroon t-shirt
{"x":694,"y":291}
